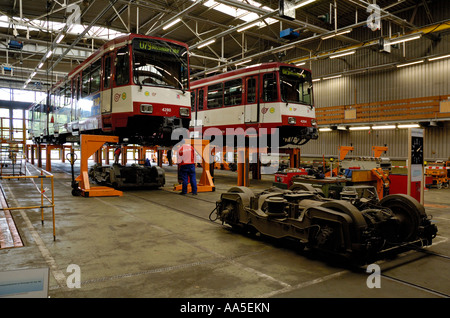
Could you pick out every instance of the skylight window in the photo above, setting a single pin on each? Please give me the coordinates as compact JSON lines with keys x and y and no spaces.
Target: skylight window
{"x":42,"y":26}
{"x":241,"y":14}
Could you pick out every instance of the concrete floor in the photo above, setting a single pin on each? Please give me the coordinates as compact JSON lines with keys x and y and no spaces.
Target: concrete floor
{"x":158,"y":244}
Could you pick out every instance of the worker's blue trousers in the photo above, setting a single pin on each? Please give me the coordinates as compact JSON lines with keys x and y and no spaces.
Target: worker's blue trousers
{"x":187,"y":173}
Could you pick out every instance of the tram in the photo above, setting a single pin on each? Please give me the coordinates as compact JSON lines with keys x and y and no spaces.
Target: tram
{"x":263,"y":98}
{"x":135,"y":87}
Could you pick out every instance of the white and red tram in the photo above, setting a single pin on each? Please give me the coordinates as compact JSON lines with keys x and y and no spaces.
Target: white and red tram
{"x":265,"y":96}
{"x":135,"y":87}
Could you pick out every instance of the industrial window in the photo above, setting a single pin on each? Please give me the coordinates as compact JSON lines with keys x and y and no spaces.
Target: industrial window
{"x":122,"y":67}
{"x":270,"y":87}
{"x":251,"y":90}
{"x":95,"y":77}
{"x":233,"y":92}
{"x":215,"y":96}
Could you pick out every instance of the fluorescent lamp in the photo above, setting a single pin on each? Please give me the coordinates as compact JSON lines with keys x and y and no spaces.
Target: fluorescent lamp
{"x":408,"y":126}
{"x":243,"y":62}
{"x":411,"y":63}
{"x":336,"y":76}
{"x":300,"y":64}
{"x":341,"y":128}
{"x":304,"y":3}
{"x":32,"y":74}
{"x":59,"y":39}
{"x":325,"y":129}
{"x":404,"y":39}
{"x":248,"y":27}
{"x":49,"y":53}
{"x":359,"y":128}
{"x":385,"y":127}
{"x":40,"y":64}
{"x":316,"y":80}
{"x":439,"y":57}
{"x":206,"y":43}
{"x":171,"y":23}
{"x":336,"y":34}
{"x":342,"y":54}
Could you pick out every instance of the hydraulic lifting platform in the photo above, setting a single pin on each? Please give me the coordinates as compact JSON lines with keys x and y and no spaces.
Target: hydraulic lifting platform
{"x":89,"y":145}
{"x":205,"y":183}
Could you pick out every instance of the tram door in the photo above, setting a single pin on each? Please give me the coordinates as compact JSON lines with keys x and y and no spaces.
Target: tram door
{"x":251,"y":109}
{"x":107,"y":81}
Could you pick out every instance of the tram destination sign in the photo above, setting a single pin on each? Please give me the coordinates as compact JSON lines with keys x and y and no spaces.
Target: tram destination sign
{"x":156,"y":46}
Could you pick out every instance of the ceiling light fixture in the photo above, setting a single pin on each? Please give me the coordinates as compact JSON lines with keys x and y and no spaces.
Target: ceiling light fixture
{"x":59,"y":39}
{"x":325,"y":37}
{"x":359,"y":128}
{"x":331,"y":77}
{"x":405,"y":39}
{"x":411,"y":63}
{"x":171,"y":24}
{"x":243,"y":62}
{"x":342,"y":54}
{"x":303,"y":3}
{"x":438,"y":58}
{"x":206,"y":43}
{"x":49,"y":53}
{"x":325,"y":129}
{"x":384,"y":127}
{"x":300,"y":64}
{"x":248,"y":27}
{"x":408,"y":126}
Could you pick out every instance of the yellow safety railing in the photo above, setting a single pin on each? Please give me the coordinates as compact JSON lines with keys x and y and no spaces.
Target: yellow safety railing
{"x":42,"y":191}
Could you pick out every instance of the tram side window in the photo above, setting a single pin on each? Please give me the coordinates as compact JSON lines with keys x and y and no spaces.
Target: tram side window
{"x":122,"y":67}
{"x":269,"y":87}
{"x":85,"y":82}
{"x":200,"y":99}
{"x":233,"y":92}
{"x":193,"y":94}
{"x":95,"y":77}
{"x":107,"y":73}
{"x":215,"y":96}
{"x":251,"y":90}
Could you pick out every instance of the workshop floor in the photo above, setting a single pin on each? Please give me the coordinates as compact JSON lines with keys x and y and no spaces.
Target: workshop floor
{"x":158,"y":244}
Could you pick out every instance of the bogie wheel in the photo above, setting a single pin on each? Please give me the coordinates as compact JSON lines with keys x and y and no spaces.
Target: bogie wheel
{"x":306,"y":187}
{"x":349,"y":209}
{"x":408,"y":211}
{"x":247,"y":194}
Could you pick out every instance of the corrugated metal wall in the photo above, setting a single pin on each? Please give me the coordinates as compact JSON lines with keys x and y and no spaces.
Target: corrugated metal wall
{"x":437,"y":143}
{"x":426,"y":79}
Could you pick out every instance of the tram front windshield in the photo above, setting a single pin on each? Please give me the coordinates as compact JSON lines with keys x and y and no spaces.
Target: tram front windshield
{"x":160,"y":63}
{"x":296,"y":85}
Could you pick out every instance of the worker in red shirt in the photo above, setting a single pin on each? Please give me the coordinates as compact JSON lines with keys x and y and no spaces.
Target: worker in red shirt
{"x":186,"y":168}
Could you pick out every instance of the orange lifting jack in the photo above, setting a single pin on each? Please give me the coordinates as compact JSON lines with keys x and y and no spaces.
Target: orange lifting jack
{"x":89,"y":145}
{"x":205,"y":183}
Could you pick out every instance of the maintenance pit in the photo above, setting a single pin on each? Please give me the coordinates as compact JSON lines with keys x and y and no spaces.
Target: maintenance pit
{"x":158,"y":244}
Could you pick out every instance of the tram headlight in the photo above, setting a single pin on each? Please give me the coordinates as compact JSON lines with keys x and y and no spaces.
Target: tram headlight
{"x":292,"y":120}
{"x":146,"y":108}
{"x":313,"y":122}
{"x":184,"y":112}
